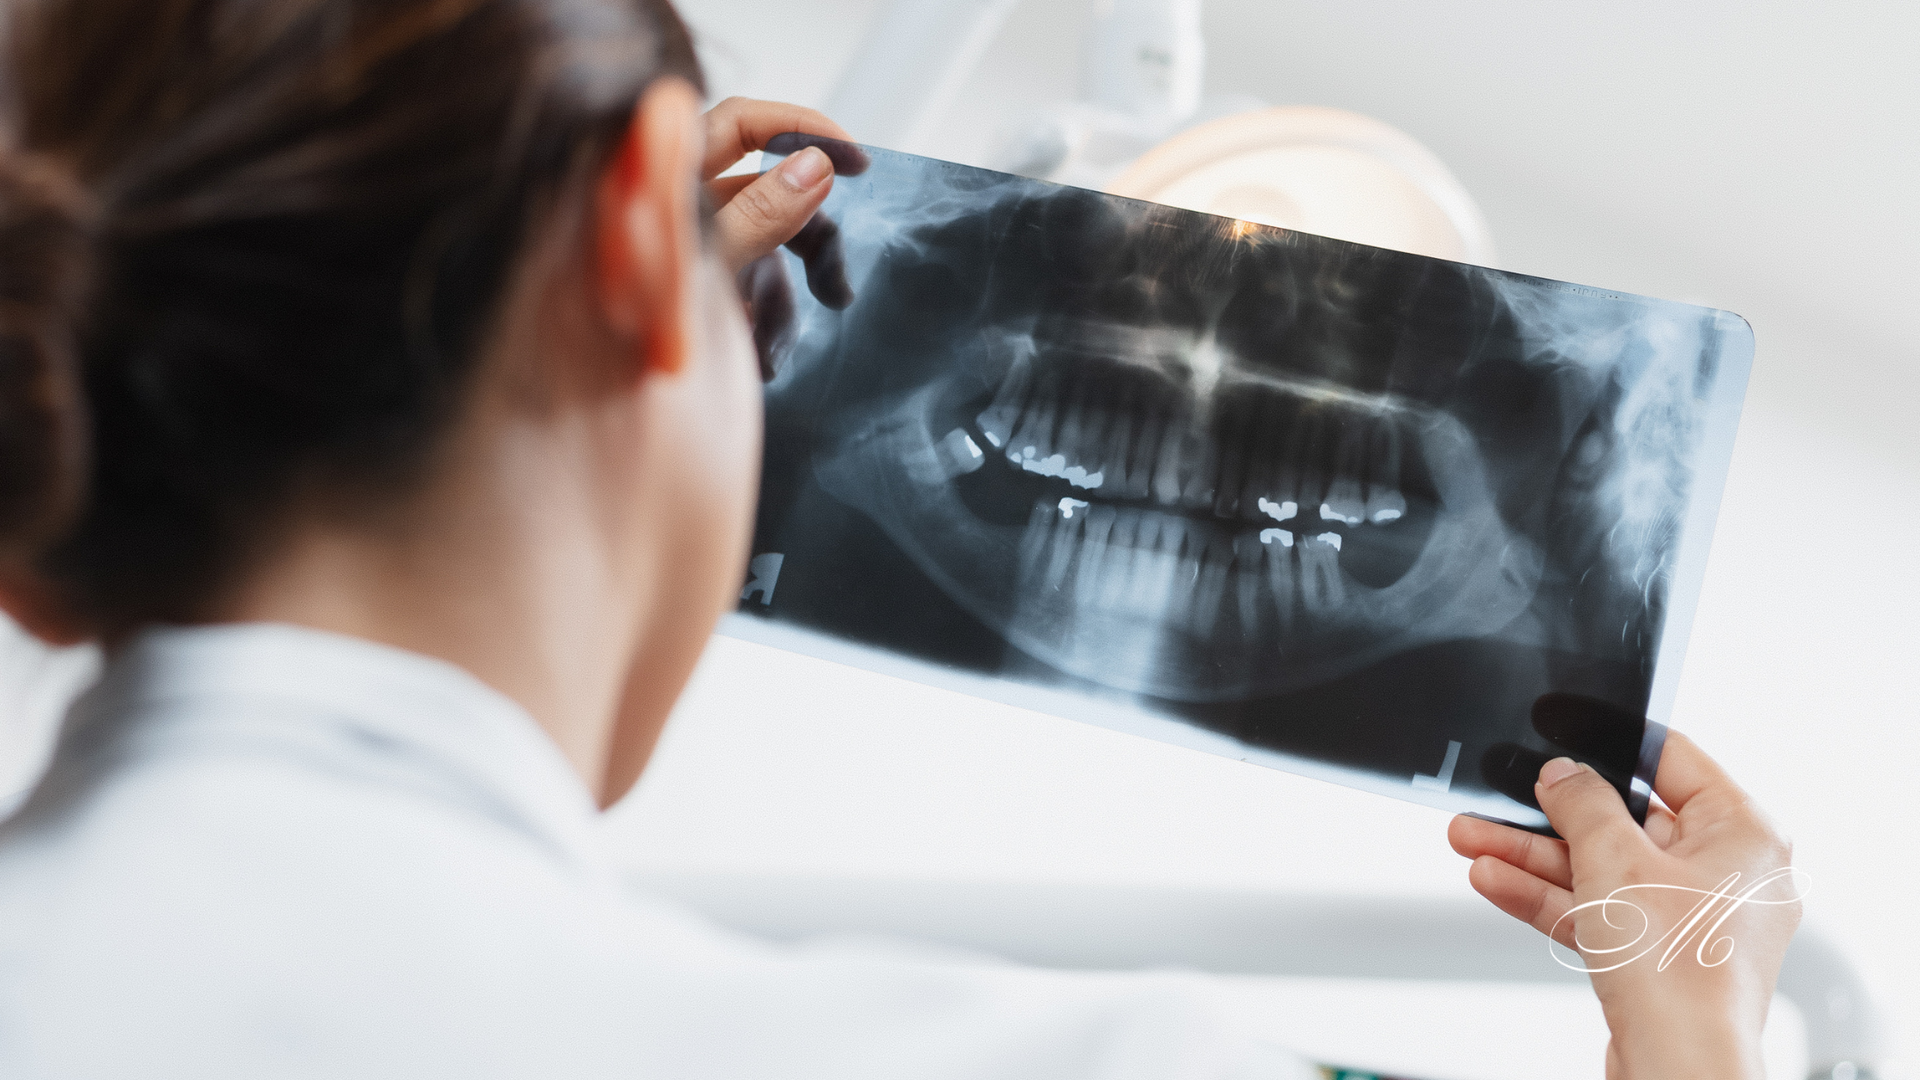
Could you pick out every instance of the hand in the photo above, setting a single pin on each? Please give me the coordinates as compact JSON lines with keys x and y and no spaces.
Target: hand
{"x":1690,"y":1019}
{"x":756,"y":214}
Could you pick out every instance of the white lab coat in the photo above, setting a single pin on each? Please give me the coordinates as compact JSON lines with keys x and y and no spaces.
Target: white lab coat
{"x":263,"y":851}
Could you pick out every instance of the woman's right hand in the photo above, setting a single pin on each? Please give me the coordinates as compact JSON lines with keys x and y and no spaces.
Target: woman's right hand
{"x":1697,"y":1018}
{"x":756,"y":213}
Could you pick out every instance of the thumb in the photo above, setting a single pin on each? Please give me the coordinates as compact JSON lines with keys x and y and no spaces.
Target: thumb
{"x":768,"y":212}
{"x":1583,"y":807}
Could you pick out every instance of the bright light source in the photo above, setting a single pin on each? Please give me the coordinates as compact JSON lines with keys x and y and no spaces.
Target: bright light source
{"x":1324,"y":171}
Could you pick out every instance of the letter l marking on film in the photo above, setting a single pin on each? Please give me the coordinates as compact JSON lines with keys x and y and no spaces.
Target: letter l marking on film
{"x":1445,"y":780}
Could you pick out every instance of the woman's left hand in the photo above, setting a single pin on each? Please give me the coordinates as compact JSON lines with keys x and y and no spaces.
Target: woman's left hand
{"x":756,"y":214}
{"x":1707,"y":866}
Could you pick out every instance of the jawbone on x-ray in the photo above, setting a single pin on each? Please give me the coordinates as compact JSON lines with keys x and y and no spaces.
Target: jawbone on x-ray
{"x":1345,"y":511}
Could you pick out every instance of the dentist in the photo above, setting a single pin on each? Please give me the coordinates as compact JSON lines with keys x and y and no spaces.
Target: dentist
{"x":374,"y":387}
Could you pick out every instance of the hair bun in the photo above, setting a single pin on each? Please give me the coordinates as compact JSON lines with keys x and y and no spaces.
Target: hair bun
{"x":45,"y":248}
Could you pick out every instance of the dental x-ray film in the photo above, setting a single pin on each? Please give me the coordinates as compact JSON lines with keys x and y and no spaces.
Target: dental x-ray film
{"x":1399,"y":523}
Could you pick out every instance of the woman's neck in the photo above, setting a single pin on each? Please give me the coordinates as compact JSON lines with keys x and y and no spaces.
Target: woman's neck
{"x":495,"y":566}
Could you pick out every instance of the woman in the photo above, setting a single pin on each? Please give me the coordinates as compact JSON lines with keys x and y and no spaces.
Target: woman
{"x":374,"y":387}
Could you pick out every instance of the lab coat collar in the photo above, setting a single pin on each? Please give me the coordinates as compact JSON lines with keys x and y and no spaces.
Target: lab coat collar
{"x":389,"y":715}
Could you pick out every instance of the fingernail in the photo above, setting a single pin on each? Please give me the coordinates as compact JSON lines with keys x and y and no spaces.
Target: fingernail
{"x":806,"y":168}
{"x":1557,"y":770}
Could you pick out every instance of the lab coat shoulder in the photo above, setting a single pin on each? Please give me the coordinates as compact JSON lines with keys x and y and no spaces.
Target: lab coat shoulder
{"x":282,"y":914}
{"x":233,"y":914}
{"x":233,"y":888}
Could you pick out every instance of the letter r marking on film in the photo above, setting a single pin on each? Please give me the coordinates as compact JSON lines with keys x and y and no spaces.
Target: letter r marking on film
{"x":1445,"y":780}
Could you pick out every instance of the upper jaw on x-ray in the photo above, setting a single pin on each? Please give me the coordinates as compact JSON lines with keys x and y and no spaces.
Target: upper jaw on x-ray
{"x":1206,"y":464}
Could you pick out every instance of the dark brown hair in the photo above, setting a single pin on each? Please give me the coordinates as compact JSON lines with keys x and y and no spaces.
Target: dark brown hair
{"x":247,"y":246}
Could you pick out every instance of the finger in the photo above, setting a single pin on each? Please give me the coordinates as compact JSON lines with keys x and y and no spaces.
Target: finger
{"x":723,"y":190}
{"x":1590,"y":727}
{"x":824,"y":255}
{"x":1541,"y":856}
{"x":738,"y":126}
{"x":1540,"y":904}
{"x":848,"y":158}
{"x":1586,"y":809}
{"x":1686,"y":771}
{"x":1661,"y":826}
{"x":769,"y":211}
{"x":821,"y":252}
{"x":770,"y":311}
{"x":1511,"y":769}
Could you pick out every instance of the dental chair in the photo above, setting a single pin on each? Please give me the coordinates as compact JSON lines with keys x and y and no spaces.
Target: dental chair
{"x":1388,"y":986}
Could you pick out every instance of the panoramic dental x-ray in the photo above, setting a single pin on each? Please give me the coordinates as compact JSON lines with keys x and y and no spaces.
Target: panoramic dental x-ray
{"x":1405,"y":524}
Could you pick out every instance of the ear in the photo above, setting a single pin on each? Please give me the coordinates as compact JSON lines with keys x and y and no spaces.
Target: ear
{"x":647,"y":228}
{"x":37,"y":608}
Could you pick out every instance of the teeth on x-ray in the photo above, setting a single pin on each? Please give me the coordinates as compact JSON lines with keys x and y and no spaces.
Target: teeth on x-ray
{"x":1283,"y":527}
{"x":1278,"y":511}
{"x":961,"y":453}
{"x":1138,"y":562}
{"x":1384,"y":503}
{"x":1246,"y":455}
{"x":1322,"y":498}
{"x":1134,"y":563}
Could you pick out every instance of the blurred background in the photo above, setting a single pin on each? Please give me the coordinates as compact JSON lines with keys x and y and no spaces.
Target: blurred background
{"x":1757,"y":156}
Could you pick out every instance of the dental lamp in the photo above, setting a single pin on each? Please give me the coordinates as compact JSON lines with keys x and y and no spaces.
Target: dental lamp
{"x":1142,"y":128}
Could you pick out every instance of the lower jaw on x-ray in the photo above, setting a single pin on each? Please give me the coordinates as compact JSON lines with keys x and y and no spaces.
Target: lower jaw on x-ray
{"x":1404,"y":524}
